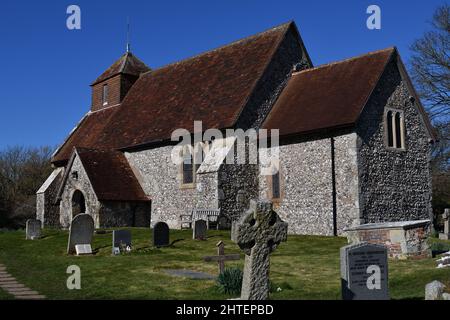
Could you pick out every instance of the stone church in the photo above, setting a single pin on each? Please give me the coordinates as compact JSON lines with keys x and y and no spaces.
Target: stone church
{"x":354,"y":140}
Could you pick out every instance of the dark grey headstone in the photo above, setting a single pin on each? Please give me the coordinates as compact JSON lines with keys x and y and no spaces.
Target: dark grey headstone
{"x":364,"y":272}
{"x":81,"y":231}
{"x":223,"y":223}
{"x":161,"y":234}
{"x":33,"y":229}
{"x":121,"y":238}
{"x":199,"y":231}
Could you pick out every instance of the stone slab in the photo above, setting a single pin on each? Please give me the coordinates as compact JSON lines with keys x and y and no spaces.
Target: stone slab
{"x":83,"y":249}
{"x":390,"y":225}
{"x":189,"y":274}
{"x":31,"y":297}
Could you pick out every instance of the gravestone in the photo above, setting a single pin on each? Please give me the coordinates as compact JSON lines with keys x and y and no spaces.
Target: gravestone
{"x":81,"y":231}
{"x":446,"y":218}
{"x":199,"y":231}
{"x":223,"y":223}
{"x":160,"y":234}
{"x":364,"y":272}
{"x":33,"y":229}
{"x":83,"y":249}
{"x":221,"y":256}
{"x":121,"y":239}
{"x":258,"y":233}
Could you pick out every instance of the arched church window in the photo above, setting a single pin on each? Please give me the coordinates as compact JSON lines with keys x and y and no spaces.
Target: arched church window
{"x":395,"y":129}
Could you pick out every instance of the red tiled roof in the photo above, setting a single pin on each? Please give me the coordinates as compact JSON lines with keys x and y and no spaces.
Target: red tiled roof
{"x":126,"y":64}
{"x":85,"y":134}
{"x":111,"y":176}
{"x":212,"y":87}
{"x":327,"y":96}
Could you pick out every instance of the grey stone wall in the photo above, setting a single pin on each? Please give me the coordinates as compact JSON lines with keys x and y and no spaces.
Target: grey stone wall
{"x":279,"y":70}
{"x":46,"y":209}
{"x":83,"y":184}
{"x":233,"y":179}
{"x":307,"y":185}
{"x":347,"y":182}
{"x":160,"y":179}
{"x":394,"y":185}
{"x":124,"y":214}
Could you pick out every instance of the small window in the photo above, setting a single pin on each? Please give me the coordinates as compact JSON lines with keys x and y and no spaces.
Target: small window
{"x":188,"y":174}
{"x":390,"y":136}
{"x":276,"y":194}
{"x":105,"y":94}
{"x":191,"y":163}
{"x":395,"y":129}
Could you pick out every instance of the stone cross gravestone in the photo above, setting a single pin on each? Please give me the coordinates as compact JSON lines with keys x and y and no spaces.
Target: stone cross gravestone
{"x":364,"y":272}
{"x":199,"y":231}
{"x":81,"y":231}
{"x":160,"y":234}
{"x":258,"y":233}
{"x":33,"y":229}
{"x":121,"y":239}
{"x":221,"y":256}
{"x":446,"y":218}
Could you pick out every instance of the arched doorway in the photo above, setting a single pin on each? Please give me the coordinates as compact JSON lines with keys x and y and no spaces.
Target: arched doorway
{"x":78,"y":203}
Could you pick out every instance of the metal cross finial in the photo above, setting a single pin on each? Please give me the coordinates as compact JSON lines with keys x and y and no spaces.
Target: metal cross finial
{"x":128,"y":34}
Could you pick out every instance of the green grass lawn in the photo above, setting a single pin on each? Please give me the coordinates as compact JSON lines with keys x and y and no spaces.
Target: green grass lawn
{"x":305,"y":267}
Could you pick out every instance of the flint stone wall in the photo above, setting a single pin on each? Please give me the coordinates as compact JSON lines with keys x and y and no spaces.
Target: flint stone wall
{"x":160,"y":178}
{"x":307,"y":186}
{"x":394,"y":185}
{"x":46,"y":209}
{"x":83,"y":184}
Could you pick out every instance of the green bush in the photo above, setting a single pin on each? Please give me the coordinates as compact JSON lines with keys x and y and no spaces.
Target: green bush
{"x":230,"y":281}
{"x":439,"y":246}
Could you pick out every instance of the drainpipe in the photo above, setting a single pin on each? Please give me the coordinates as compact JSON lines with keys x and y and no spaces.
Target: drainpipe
{"x":333,"y":184}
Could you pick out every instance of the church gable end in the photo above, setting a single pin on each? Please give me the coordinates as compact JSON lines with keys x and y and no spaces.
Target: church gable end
{"x":395,"y":183}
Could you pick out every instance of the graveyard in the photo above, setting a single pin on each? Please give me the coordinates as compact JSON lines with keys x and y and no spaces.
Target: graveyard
{"x":303,"y":267}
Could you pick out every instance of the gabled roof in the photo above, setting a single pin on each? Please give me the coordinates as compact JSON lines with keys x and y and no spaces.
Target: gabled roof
{"x":328,"y":96}
{"x":212,"y":87}
{"x":126,"y":64}
{"x":85,"y":135}
{"x":110,"y":175}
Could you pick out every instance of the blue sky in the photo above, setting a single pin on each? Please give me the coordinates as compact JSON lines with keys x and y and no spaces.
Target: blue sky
{"x":47,"y":69}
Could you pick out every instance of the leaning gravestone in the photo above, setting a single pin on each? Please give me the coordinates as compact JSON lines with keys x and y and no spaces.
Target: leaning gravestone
{"x":364,"y":272}
{"x":199,"y":232}
{"x":160,"y":234}
{"x":121,"y":239}
{"x":81,"y":231}
{"x":33,"y":229}
{"x":258,"y":233}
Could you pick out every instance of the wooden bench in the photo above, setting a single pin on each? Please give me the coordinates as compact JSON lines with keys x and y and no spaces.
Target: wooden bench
{"x":209,"y":215}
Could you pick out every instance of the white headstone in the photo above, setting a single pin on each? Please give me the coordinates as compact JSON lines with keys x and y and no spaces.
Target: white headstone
{"x":82,"y":249}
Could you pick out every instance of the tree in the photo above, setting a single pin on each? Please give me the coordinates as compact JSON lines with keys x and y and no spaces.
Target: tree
{"x":22,"y":172}
{"x":430,"y":69}
{"x":430,"y":65}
